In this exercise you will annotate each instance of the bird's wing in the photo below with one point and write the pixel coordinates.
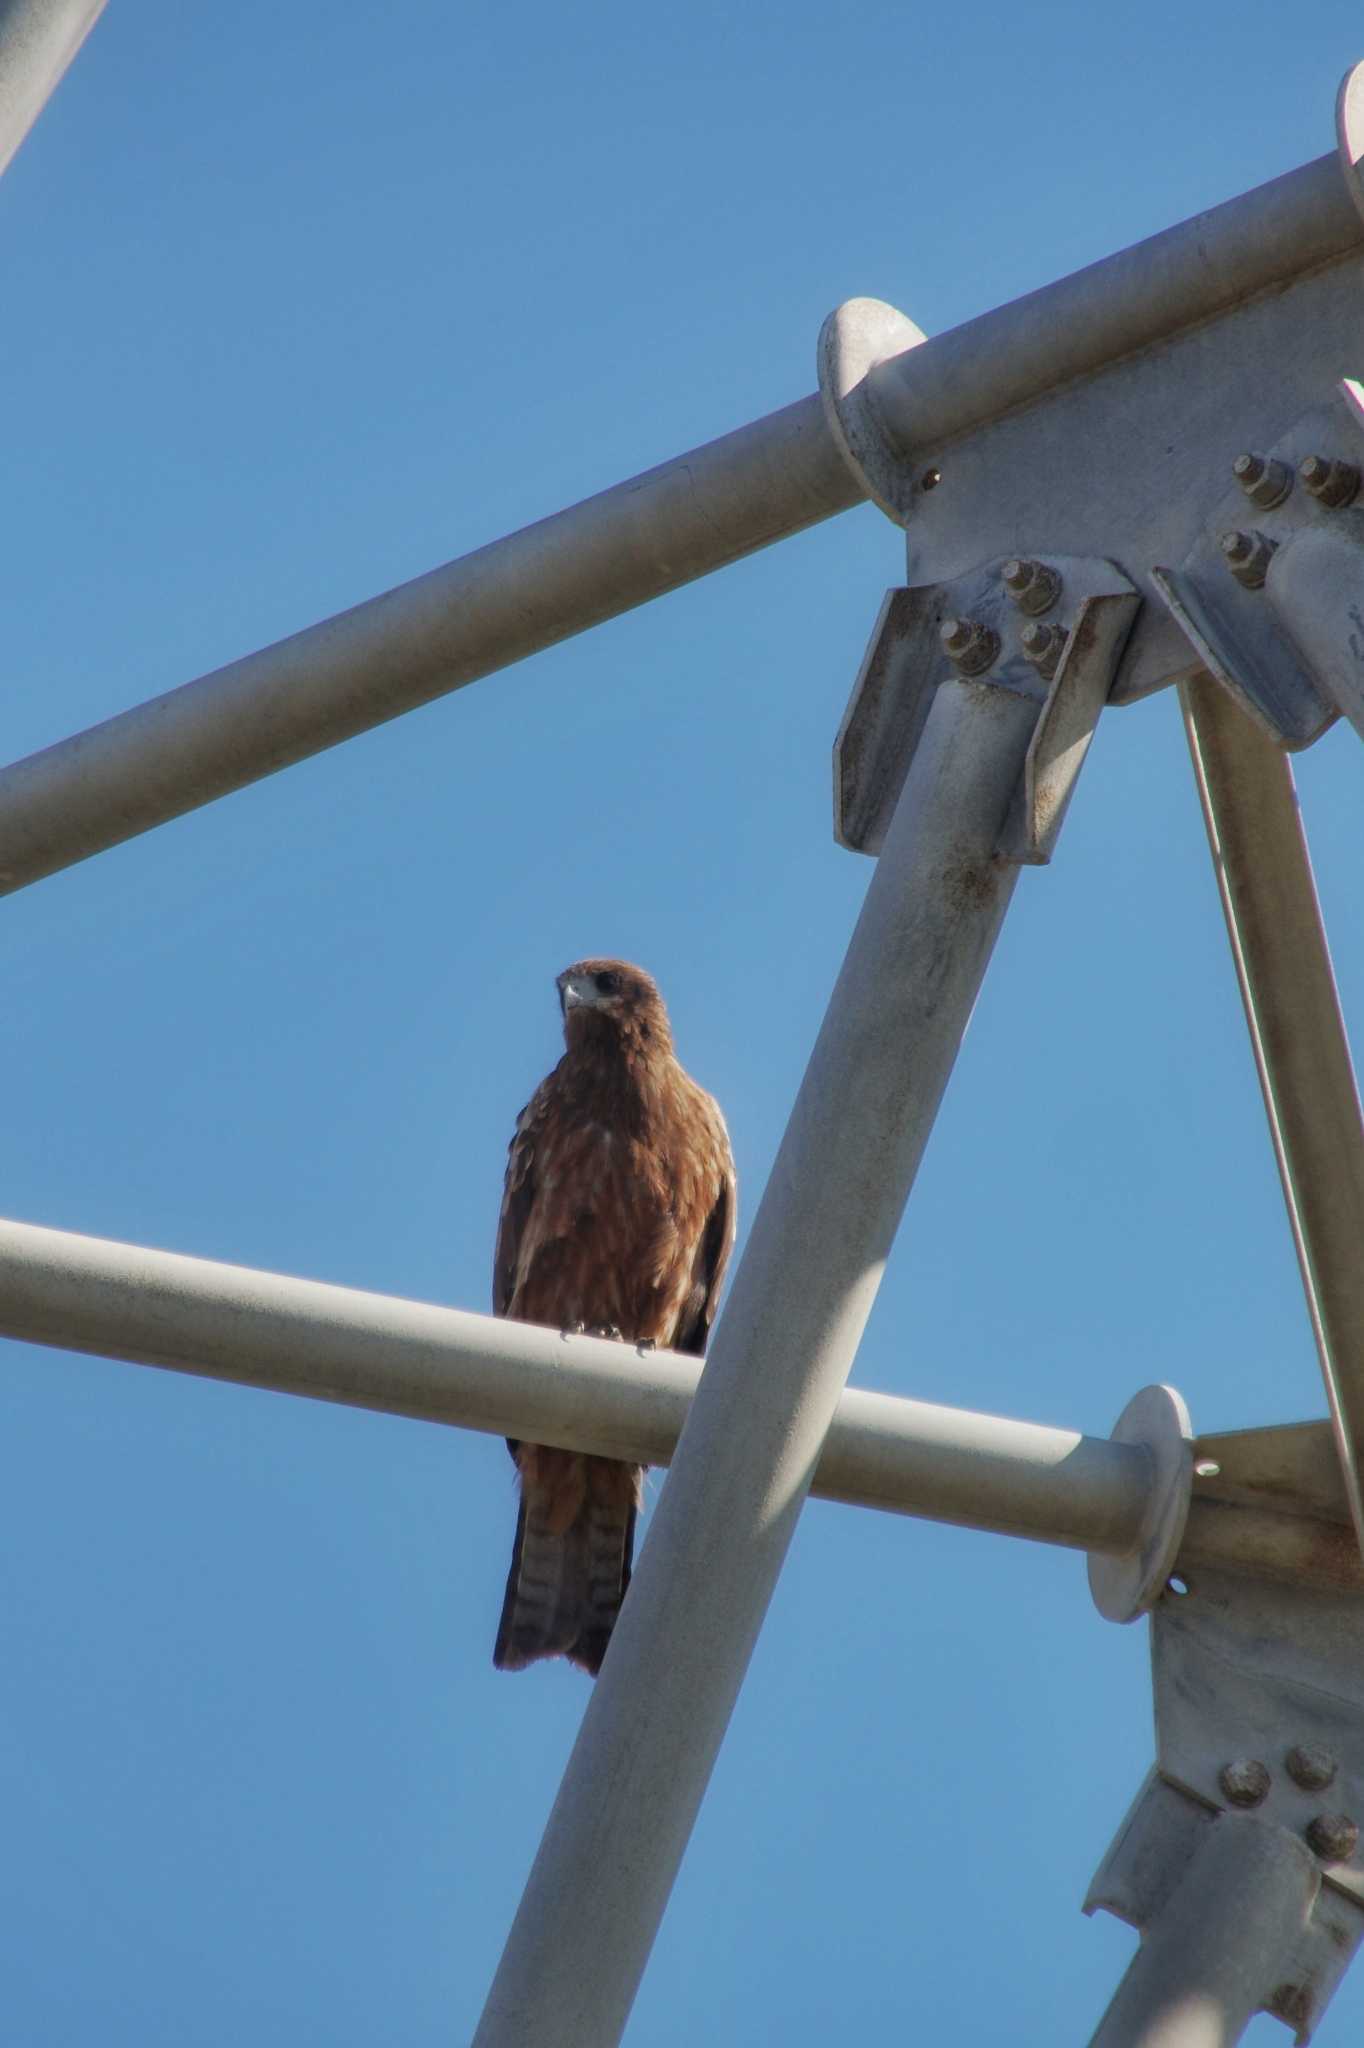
(518, 1198)
(712, 1255)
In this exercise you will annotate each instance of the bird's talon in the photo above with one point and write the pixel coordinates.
(647, 1344)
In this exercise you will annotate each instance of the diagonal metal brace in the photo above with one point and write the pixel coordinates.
(1297, 1035)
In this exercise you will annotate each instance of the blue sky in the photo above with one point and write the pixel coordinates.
(300, 303)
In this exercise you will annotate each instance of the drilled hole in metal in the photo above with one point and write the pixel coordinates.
(1178, 1585)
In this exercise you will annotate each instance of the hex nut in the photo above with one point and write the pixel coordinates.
(1033, 586)
(970, 647)
(1265, 481)
(1332, 484)
(1244, 1781)
(1042, 646)
(1310, 1766)
(1247, 555)
(1332, 1836)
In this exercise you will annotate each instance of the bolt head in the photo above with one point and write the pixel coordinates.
(1244, 1781)
(971, 647)
(1265, 481)
(1247, 555)
(1310, 1766)
(1042, 646)
(1033, 587)
(1332, 484)
(1332, 1836)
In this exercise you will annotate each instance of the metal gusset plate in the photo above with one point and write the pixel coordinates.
(1271, 597)
(1259, 1697)
(1051, 627)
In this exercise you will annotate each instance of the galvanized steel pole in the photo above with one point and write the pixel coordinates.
(38, 39)
(1222, 1943)
(1297, 1033)
(658, 1713)
(302, 1337)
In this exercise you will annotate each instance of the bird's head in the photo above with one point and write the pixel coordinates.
(609, 1001)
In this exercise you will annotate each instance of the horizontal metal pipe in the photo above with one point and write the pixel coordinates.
(1172, 281)
(413, 1358)
(514, 1379)
(38, 39)
(420, 641)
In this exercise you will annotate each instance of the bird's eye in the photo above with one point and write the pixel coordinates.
(608, 984)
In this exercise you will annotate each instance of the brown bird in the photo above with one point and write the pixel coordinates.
(618, 1217)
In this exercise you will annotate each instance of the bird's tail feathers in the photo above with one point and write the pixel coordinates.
(568, 1572)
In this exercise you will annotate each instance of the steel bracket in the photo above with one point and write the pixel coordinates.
(1259, 1709)
(1080, 632)
(1271, 596)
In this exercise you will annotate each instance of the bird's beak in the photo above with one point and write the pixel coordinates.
(571, 996)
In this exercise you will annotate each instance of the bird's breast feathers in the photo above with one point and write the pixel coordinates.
(620, 1209)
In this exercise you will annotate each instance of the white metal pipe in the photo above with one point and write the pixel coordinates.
(444, 1365)
(1222, 1943)
(641, 538)
(785, 1342)
(1140, 296)
(505, 601)
(38, 39)
(1297, 1034)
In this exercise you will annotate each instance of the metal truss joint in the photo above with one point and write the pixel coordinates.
(985, 623)
(1240, 1859)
